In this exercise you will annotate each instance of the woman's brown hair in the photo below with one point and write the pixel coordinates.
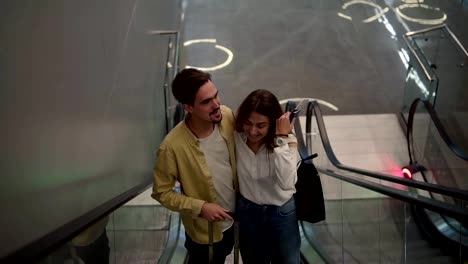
(265, 103)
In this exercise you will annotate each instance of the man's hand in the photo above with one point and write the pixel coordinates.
(213, 213)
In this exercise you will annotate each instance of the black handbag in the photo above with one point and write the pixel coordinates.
(310, 205)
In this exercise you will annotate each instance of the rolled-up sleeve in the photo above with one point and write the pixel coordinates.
(285, 165)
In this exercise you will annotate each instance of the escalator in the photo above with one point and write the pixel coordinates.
(389, 222)
(387, 225)
(441, 162)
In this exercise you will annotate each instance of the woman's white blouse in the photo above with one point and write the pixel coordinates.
(267, 177)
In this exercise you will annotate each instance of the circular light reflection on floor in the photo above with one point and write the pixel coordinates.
(424, 21)
(413, 1)
(381, 10)
(228, 60)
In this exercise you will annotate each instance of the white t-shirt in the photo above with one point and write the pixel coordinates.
(217, 158)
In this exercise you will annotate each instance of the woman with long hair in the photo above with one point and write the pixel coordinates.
(266, 153)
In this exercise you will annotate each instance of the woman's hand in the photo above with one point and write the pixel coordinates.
(283, 126)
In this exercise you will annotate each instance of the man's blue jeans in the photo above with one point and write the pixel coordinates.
(268, 233)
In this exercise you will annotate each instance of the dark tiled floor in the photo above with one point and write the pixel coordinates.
(301, 48)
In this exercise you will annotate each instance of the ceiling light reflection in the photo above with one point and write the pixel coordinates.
(344, 16)
(413, 1)
(381, 10)
(300, 99)
(403, 58)
(430, 21)
(376, 16)
(193, 41)
(415, 76)
(383, 19)
(405, 54)
(229, 53)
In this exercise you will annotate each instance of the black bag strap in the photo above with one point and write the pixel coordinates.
(313, 156)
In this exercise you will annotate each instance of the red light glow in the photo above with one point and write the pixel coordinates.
(407, 173)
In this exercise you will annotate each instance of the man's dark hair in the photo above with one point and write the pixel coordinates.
(187, 83)
(265, 103)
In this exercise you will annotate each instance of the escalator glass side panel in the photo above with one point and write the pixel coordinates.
(417, 85)
(361, 226)
(135, 232)
(311, 250)
(446, 58)
(139, 232)
(442, 166)
(450, 63)
(367, 227)
(357, 214)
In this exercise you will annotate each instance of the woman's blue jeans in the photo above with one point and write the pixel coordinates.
(268, 233)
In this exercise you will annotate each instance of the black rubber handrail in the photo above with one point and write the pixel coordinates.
(437, 123)
(453, 192)
(444, 208)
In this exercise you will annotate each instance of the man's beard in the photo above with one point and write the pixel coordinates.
(221, 116)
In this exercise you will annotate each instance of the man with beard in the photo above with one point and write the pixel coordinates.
(199, 154)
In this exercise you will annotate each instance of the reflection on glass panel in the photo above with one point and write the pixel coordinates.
(442, 166)
(358, 230)
(172, 65)
(441, 52)
(134, 233)
(139, 233)
(93, 245)
(417, 86)
(364, 226)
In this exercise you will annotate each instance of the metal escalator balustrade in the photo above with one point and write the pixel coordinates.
(435, 115)
(334, 160)
(382, 200)
(438, 70)
(444, 163)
